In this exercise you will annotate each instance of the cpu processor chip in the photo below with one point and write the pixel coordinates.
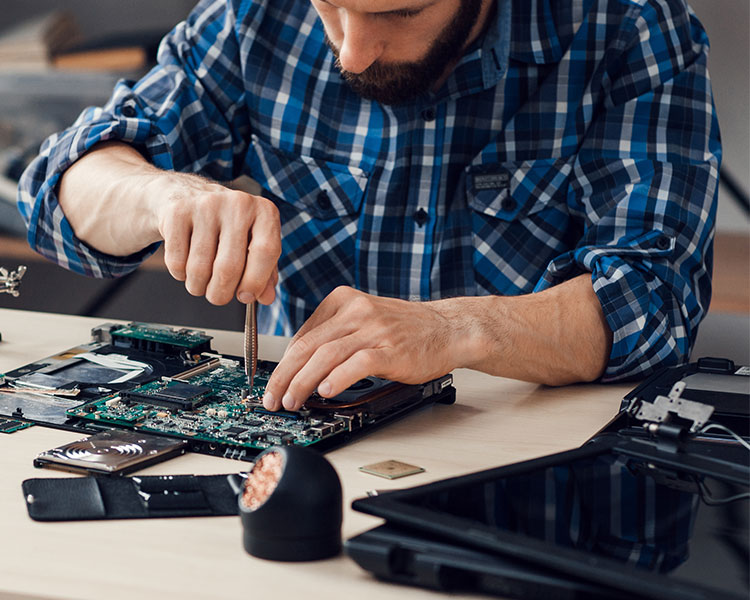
(391, 469)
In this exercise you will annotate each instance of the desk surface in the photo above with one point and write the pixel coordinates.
(495, 421)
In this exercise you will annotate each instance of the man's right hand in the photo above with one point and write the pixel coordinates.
(221, 242)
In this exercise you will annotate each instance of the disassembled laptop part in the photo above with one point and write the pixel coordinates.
(165, 381)
(673, 409)
(9, 281)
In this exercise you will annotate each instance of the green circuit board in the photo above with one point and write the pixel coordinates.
(12, 425)
(213, 407)
(155, 338)
(170, 382)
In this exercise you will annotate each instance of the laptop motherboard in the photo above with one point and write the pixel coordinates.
(170, 382)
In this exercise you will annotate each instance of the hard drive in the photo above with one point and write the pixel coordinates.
(111, 453)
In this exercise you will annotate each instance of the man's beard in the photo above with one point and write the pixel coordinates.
(399, 82)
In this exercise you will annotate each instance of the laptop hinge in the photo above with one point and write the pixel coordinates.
(671, 420)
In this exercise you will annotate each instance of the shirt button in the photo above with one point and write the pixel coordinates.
(421, 216)
(429, 114)
(508, 204)
(128, 111)
(323, 201)
(663, 243)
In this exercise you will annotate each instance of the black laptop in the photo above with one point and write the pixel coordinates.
(655, 507)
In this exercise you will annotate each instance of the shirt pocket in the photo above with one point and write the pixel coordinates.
(520, 221)
(323, 189)
(511, 191)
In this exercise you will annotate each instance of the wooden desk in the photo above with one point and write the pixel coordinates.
(494, 421)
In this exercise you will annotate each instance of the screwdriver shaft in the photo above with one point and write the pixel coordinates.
(251, 344)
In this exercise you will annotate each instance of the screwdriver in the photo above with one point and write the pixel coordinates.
(251, 345)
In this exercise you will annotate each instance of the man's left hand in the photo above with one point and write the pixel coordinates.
(352, 335)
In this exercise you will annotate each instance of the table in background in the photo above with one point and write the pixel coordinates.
(494, 421)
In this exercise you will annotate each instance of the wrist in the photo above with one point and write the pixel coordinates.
(468, 330)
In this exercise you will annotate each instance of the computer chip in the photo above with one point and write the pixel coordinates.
(391, 469)
(176, 394)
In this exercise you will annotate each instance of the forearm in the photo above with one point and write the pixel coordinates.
(111, 198)
(108, 198)
(222, 243)
(555, 337)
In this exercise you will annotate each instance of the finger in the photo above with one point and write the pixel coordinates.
(361, 364)
(322, 327)
(269, 293)
(200, 259)
(176, 236)
(295, 386)
(297, 354)
(228, 266)
(263, 252)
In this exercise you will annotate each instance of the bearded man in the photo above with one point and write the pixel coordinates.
(523, 187)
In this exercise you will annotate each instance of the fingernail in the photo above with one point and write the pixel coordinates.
(324, 389)
(246, 297)
(268, 402)
(288, 402)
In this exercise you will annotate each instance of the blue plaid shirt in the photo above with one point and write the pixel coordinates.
(574, 136)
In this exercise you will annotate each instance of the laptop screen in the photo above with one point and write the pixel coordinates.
(694, 529)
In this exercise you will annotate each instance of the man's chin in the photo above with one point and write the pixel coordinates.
(389, 88)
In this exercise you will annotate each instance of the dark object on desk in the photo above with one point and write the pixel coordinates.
(169, 382)
(291, 506)
(394, 553)
(111, 453)
(614, 517)
(151, 496)
(659, 511)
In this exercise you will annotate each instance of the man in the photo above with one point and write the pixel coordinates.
(516, 186)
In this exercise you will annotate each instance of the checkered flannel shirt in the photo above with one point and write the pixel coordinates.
(573, 136)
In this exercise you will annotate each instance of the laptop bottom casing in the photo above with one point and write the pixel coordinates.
(396, 554)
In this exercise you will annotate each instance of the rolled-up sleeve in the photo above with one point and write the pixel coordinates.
(645, 183)
(184, 115)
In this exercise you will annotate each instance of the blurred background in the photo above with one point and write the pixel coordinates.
(102, 41)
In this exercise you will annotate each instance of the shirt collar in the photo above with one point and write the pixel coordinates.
(496, 45)
(489, 53)
(523, 30)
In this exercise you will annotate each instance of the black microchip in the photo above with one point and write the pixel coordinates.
(275, 436)
(176, 394)
(252, 423)
(235, 430)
